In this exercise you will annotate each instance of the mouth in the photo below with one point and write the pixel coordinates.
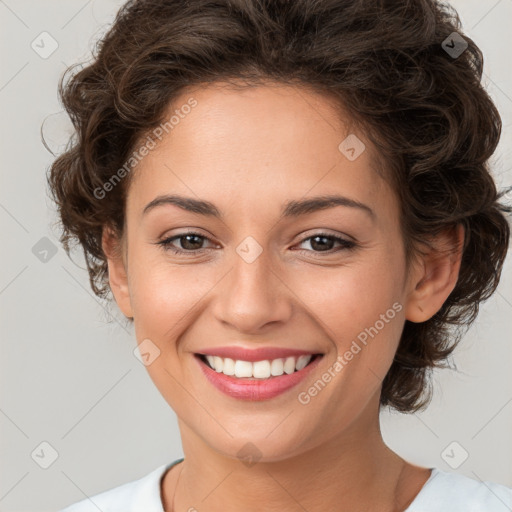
(256, 380)
(257, 370)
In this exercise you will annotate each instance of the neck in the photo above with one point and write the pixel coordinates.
(353, 471)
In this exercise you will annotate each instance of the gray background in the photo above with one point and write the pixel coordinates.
(68, 374)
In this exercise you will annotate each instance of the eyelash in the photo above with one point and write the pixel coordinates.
(345, 244)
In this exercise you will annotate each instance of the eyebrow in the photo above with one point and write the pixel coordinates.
(293, 208)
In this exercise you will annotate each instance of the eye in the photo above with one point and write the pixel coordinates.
(189, 242)
(323, 242)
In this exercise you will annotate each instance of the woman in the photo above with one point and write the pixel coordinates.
(291, 202)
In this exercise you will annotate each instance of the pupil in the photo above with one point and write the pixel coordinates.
(187, 237)
(321, 238)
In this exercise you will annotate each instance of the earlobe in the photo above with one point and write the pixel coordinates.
(117, 272)
(435, 276)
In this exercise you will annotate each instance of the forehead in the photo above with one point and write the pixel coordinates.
(254, 142)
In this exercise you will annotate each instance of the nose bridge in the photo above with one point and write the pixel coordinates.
(253, 294)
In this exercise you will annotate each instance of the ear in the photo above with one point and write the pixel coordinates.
(435, 275)
(117, 270)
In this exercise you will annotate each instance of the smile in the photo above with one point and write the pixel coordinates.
(256, 380)
(265, 369)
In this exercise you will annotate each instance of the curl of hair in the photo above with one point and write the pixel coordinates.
(426, 113)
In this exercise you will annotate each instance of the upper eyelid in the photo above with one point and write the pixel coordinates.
(304, 238)
(180, 235)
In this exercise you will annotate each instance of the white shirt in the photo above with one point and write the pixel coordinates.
(442, 492)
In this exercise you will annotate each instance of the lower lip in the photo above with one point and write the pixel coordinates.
(255, 389)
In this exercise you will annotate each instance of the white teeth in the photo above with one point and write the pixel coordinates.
(289, 365)
(302, 361)
(276, 367)
(229, 367)
(243, 369)
(259, 369)
(218, 363)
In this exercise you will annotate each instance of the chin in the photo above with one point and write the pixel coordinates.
(259, 441)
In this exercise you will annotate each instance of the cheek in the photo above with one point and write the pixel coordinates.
(361, 310)
(168, 301)
(164, 296)
(353, 299)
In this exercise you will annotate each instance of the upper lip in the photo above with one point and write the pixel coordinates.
(255, 354)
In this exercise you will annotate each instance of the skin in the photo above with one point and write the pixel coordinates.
(248, 152)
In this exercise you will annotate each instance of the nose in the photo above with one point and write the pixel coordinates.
(252, 296)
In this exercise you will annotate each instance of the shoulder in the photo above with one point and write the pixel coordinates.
(142, 495)
(459, 493)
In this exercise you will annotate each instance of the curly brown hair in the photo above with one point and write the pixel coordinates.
(396, 67)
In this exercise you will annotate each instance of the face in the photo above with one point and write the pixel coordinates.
(264, 273)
